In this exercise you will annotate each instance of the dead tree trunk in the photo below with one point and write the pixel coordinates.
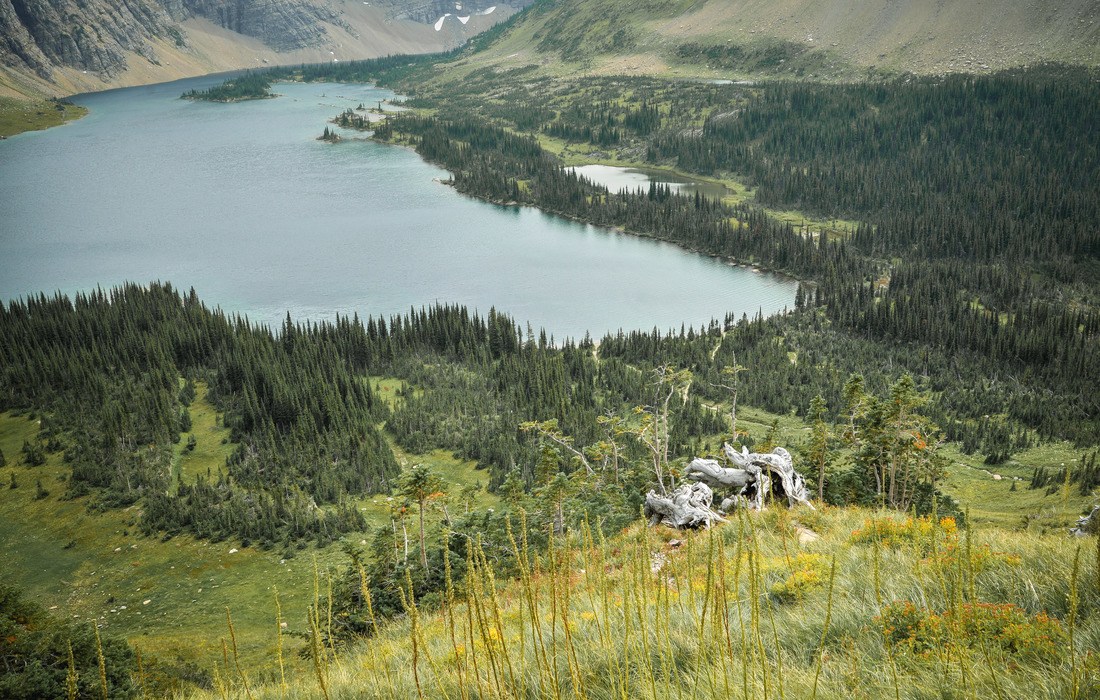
(750, 479)
(1088, 524)
(687, 507)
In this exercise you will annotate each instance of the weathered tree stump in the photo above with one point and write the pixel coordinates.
(754, 477)
(1088, 524)
(742, 484)
(686, 507)
(750, 480)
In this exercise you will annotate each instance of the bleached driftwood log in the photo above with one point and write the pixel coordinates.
(780, 464)
(686, 507)
(1088, 524)
(750, 480)
(747, 484)
(741, 484)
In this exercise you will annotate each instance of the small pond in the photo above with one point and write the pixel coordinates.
(616, 178)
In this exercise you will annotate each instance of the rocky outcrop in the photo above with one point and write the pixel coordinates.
(93, 36)
(430, 11)
(99, 36)
(284, 25)
(17, 46)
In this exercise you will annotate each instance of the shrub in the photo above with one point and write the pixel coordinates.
(981, 558)
(896, 534)
(998, 626)
(35, 650)
(809, 571)
(33, 454)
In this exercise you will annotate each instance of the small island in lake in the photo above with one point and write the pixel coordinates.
(250, 86)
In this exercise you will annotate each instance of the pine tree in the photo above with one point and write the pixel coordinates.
(512, 488)
(771, 438)
(421, 484)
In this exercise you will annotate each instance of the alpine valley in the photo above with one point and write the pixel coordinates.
(567, 349)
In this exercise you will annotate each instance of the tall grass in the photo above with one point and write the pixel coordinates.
(102, 661)
(880, 606)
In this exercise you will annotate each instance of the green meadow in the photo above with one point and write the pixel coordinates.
(169, 596)
(17, 116)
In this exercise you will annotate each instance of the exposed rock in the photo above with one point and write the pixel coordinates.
(806, 535)
(97, 36)
(17, 47)
(429, 12)
(284, 25)
(39, 34)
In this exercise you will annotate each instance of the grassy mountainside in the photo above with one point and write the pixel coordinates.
(826, 604)
(168, 595)
(825, 38)
(17, 116)
(94, 566)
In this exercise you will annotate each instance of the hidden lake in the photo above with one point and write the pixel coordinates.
(242, 202)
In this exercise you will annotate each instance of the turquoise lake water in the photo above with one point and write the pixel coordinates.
(241, 202)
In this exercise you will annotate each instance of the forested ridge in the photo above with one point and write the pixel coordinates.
(973, 197)
(112, 374)
(113, 398)
(489, 162)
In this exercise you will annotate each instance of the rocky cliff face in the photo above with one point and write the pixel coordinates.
(38, 34)
(284, 25)
(429, 11)
(101, 36)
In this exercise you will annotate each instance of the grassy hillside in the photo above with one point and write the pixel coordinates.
(830, 604)
(17, 116)
(831, 39)
(169, 595)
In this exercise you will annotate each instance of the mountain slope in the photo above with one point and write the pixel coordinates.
(830, 38)
(56, 47)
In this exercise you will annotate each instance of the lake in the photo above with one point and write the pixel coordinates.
(618, 178)
(241, 202)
